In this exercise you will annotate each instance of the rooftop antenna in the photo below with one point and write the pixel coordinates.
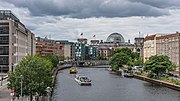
(139, 34)
(94, 36)
(50, 36)
(82, 35)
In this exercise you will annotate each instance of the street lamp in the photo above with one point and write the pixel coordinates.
(1, 76)
(21, 77)
(48, 89)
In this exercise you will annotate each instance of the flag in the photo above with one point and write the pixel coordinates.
(81, 34)
(94, 35)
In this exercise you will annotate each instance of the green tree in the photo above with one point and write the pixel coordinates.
(53, 58)
(158, 65)
(61, 58)
(36, 72)
(102, 58)
(134, 57)
(118, 60)
(126, 51)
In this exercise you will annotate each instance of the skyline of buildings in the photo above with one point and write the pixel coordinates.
(16, 42)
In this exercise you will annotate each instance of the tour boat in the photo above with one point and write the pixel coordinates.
(82, 80)
(73, 70)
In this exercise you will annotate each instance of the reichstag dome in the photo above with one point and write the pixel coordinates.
(115, 38)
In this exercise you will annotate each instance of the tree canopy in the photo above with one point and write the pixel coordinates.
(126, 51)
(53, 58)
(124, 56)
(118, 60)
(158, 64)
(36, 72)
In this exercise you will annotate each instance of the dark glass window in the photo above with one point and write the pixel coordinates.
(4, 30)
(4, 60)
(4, 50)
(4, 39)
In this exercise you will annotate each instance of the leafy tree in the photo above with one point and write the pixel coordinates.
(134, 57)
(102, 58)
(61, 58)
(36, 72)
(119, 59)
(53, 58)
(158, 65)
(126, 51)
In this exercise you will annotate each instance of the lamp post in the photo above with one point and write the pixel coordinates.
(1, 76)
(48, 89)
(21, 77)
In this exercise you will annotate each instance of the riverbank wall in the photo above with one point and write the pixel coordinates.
(159, 82)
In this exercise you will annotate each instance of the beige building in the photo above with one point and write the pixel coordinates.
(69, 51)
(150, 43)
(169, 45)
(16, 41)
(149, 46)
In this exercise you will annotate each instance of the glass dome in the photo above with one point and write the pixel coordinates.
(115, 38)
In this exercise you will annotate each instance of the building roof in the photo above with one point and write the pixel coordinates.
(115, 38)
(151, 37)
(168, 36)
(41, 43)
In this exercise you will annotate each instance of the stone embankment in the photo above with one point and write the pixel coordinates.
(55, 71)
(159, 82)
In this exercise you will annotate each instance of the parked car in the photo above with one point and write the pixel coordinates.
(171, 74)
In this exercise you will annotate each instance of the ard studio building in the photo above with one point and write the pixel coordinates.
(16, 41)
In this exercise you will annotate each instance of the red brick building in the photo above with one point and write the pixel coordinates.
(45, 47)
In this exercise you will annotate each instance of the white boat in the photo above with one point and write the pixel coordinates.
(82, 80)
(130, 75)
(109, 69)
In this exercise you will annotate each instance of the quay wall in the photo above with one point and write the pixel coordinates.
(166, 84)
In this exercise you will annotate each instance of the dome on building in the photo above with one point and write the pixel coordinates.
(115, 38)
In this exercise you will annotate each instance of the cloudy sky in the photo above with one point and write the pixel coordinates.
(66, 19)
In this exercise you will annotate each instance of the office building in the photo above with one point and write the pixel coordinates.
(16, 41)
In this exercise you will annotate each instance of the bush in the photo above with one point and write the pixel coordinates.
(114, 68)
(150, 75)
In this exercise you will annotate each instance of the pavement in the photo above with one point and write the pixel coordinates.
(4, 92)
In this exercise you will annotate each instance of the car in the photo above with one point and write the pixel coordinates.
(171, 74)
(137, 67)
(82, 80)
(73, 70)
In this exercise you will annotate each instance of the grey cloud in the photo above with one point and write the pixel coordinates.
(160, 3)
(90, 8)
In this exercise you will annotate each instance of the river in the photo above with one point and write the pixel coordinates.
(107, 86)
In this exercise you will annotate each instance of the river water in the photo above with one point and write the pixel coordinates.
(107, 86)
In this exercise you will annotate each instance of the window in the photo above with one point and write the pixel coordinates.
(4, 30)
(4, 60)
(4, 50)
(4, 39)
